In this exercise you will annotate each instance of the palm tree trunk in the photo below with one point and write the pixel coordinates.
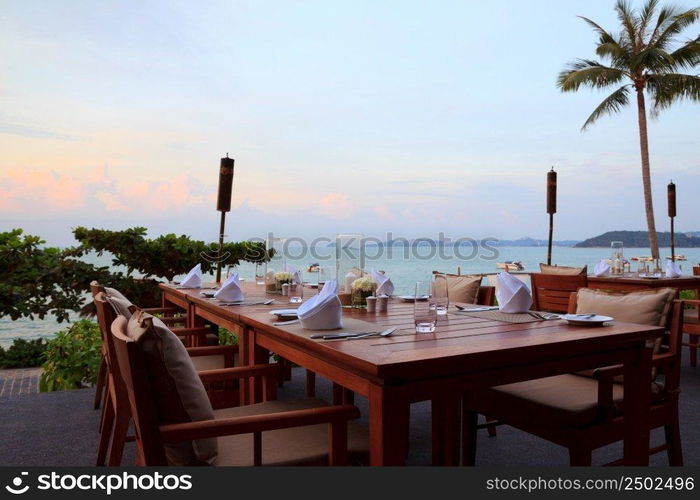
(646, 176)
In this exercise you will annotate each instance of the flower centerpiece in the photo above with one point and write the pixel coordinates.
(282, 278)
(361, 289)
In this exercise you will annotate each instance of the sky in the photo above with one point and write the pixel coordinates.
(410, 117)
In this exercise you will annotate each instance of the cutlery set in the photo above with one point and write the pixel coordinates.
(354, 336)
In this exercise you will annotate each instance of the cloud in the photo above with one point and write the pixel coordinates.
(33, 132)
(41, 190)
(336, 205)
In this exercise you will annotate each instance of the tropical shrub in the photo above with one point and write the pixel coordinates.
(23, 354)
(72, 358)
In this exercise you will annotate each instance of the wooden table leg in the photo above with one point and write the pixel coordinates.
(388, 426)
(446, 423)
(636, 406)
(256, 355)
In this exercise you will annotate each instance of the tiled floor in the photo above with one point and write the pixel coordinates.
(19, 382)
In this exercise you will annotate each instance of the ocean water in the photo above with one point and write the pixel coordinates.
(404, 269)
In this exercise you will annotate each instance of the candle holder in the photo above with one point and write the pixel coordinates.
(349, 260)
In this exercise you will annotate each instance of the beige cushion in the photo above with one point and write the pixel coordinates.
(563, 270)
(213, 362)
(178, 393)
(567, 400)
(119, 303)
(295, 446)
(459, 288)
(649, 307)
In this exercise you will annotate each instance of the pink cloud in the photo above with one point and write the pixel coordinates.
(336, 205)
(41, 189)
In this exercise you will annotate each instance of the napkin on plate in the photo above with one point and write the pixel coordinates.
(602, 268)
(296, 278)
(673, 270)
(193, 278)
(323, 311)
(384, 284)
(230, 290)
(512, 294)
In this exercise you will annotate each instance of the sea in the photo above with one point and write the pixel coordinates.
(404, 265)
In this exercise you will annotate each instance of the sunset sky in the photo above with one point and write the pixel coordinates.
(343, 116)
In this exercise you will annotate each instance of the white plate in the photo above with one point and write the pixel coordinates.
(582, 319)
(284, 313)
(412, 298)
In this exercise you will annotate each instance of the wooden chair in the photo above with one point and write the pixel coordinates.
(551, 292)
(583, 413)
(116, 414)
(169, 316)
(294, 432)
(692, 327)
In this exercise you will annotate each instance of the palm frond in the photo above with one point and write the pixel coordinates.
(665, 17)
(612, 104)
(667, 89)
(688, 55)
(678, 24)
(588, 73)
(645, 17)
(604, 35)
(652, 59)
(625, 14)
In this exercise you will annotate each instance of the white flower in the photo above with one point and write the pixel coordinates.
(365, 284)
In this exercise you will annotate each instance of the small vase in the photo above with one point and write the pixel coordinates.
(359, 298)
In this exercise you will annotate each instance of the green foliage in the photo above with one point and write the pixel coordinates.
(72, 358)
(37, 280)
(227, 338)
(165, 256)
(23, 354)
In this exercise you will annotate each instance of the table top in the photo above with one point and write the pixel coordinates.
(460, 342)
(633, 279)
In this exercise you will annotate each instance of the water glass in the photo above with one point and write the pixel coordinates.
(260, 271)
(425, 310)
(440, 294)
(295, 293)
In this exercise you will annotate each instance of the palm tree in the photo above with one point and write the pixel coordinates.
(645, 56)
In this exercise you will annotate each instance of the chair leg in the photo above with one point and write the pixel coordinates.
(106, 432)
(672, 431)
(491, 426)
(310, 384)
(101, 382)
(693, 348)
(580, 456)
(470, 421)
(121, 427)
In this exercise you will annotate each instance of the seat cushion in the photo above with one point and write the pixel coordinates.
(295, 446)
(649, 307)
(214, 362)
(121, 305)
(461, 289)
(563, 400)
(178, 393)
(563, 270)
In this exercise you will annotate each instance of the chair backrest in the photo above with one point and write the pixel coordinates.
(487, 296)
(551, 292)
(96, 288)
(143, 411)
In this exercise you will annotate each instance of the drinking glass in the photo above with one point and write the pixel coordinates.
(440, 294)
(260, 270)
(424, 311)
(296, 292)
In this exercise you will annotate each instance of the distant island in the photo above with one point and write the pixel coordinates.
(640, 239)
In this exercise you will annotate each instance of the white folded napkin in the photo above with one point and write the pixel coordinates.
(673, 270)
(602, 268)
(230, 290)
(296, 278)
(323, 311)
(193, 278)
(512, 294)
(384, 284)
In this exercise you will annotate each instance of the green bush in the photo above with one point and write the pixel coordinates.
(23, 354)
(72, 358)
(227, 338)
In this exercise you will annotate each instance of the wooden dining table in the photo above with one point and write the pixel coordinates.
(463, 353)
(631, 282)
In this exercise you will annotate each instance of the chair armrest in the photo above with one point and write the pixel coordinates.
(163, 310)
(187, 431)
(239, 372)
(608, 372)
(212, 350)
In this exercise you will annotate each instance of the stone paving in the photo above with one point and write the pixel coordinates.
(19, 382)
